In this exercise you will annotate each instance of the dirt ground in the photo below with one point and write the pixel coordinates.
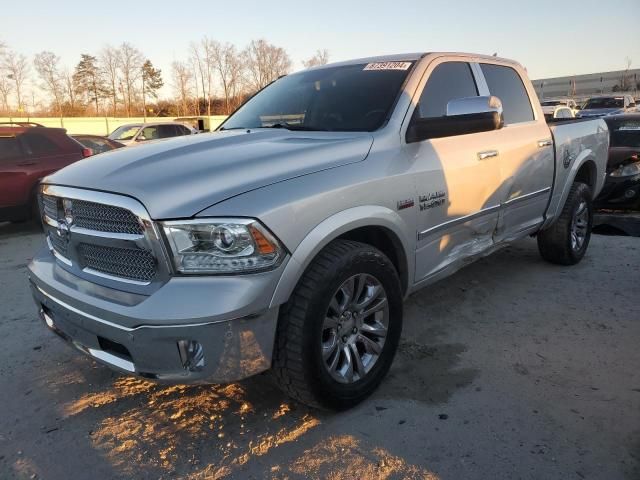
(512, 368)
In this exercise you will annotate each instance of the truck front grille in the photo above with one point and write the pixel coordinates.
(131, 263)
(58, 243)
(50, 206)
(105, 218)
(106, 236)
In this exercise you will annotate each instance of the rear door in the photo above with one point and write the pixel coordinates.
(525, 154)
(457, 202)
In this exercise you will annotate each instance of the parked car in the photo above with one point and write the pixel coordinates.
(622, 186)
(548, 106)
(27, 154)
(96, 143)
(607, 105)
(133, 133)
(289, 238)
(559, 113)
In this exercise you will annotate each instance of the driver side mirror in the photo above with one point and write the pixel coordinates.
(464, 116)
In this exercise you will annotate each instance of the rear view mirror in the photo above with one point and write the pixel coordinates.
(464, 116)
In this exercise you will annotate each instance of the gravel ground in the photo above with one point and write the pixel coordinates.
(512, 368)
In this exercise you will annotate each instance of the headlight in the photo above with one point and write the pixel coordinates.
(627, 170)
(222, 246)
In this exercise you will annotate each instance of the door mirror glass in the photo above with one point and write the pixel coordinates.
(464, 116)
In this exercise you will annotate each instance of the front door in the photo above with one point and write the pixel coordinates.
(456, 178)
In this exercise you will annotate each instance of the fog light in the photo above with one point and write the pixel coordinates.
(48, 320)
(191, 355)
(630, 193)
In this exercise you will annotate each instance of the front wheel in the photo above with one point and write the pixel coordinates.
(339, 331)
(566, 241)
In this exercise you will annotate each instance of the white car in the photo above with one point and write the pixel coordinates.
(133, 133)
(549, 106)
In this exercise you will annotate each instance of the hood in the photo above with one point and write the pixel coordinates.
(596, 112)
(178, 178)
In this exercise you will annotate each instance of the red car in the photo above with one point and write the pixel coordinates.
(29, 152)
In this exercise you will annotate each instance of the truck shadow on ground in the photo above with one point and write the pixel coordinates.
(148, 430)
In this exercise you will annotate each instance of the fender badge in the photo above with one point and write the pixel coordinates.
(408, 203)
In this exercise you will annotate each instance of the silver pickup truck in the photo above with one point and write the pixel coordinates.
(288, 239)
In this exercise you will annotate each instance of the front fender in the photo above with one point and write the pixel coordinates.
(333, 227)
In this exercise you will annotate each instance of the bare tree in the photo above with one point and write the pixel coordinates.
(230, 68)
(202, 55)
(71, 89)
(626, 83)
(5, 91)
(130, 61)
(265, 63)
(181, 85)
(321, 57)
(16, 68)
(110, 72)
(48, 68)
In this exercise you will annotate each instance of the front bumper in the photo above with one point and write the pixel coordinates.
(228, 317)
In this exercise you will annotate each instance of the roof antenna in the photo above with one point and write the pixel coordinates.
(495, 54)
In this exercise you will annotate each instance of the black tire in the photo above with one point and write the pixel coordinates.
(298, 365)
(555, 243)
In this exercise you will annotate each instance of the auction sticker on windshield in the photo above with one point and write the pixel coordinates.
(387, 66)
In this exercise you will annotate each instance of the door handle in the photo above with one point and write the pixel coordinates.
(544, 143)
(24, 164)
(487, 154)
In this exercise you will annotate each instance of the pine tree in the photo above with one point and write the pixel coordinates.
(88, 80)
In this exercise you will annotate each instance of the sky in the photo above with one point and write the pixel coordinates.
(550, 38)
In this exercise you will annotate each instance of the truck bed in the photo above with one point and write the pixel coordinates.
(573, 141)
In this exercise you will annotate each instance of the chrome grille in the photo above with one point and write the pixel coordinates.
(131, 263)
(59, 244)
(104, 237)
(105, 218)
(50, 206)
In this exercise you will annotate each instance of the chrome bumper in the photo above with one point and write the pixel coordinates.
(182, 345)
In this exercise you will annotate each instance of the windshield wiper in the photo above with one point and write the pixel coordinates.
(233, 128)
(288, 126)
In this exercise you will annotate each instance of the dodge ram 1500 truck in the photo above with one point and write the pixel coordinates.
(288, 239)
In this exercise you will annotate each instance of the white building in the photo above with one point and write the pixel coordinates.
(589, 84)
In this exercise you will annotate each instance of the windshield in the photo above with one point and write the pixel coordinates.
(125, 132)
(604, 102)
(344, 98)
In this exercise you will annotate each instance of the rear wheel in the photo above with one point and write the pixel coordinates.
(339, 332)
(566, 241)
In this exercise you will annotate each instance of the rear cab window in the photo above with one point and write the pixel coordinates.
(505, 83)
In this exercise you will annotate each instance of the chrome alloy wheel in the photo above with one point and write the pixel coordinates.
(355, 328)
(579, 226)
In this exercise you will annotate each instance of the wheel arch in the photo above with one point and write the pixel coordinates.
(379, 227)
(584, 169)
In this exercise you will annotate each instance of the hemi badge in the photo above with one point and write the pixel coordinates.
(402, 204)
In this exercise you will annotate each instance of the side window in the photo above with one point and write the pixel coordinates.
(167, 131)
(148, 133)
(183, 130)
(506, 84)
(448, 81)
(36, 144)
(9, 148)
